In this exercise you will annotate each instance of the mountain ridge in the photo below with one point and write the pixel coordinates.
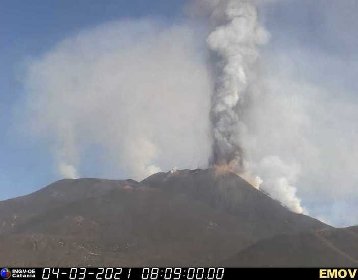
(183, 217)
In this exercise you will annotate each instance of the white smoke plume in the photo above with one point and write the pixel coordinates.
(67, 151)
(67, 171)
(278, 178)
(135, 92)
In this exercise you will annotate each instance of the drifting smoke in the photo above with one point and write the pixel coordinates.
(129, 97)
(139, 93)
(279, 177)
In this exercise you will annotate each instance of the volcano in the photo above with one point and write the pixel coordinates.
(178, 218)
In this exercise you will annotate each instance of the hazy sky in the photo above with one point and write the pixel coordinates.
(313, 47)
(28, 29)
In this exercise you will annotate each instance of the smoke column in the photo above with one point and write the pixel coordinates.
(66, 152)
(233, 43)
(233, 53)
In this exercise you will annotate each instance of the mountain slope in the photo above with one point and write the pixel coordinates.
(332, 248)
(188, 217)
(259, 215)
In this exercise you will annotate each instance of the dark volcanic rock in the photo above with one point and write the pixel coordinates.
(259, 215)
(182, 218)
(324, 248)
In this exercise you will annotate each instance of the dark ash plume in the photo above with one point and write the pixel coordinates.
(233, 45)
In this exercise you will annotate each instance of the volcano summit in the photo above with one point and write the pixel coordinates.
(179, 218)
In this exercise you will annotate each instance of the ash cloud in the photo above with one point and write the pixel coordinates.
(233, 45)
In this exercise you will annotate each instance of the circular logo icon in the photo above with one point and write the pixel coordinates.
(5, 273)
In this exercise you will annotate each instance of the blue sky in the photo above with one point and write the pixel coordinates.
(313, 44)
(28, 29)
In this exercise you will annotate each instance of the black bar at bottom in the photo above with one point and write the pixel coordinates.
(178, 273)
